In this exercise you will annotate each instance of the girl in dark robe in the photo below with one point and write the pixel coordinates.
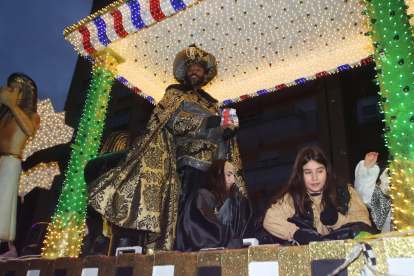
(215, 216)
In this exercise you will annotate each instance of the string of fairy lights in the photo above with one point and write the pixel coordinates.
(52, 131)
(258, 44)
(392, 38)
(65, 233)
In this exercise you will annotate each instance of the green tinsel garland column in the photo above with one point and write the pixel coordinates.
(65, 233)
(391, 33)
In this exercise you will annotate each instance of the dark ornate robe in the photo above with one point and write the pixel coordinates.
(201, 225)
(142, 191)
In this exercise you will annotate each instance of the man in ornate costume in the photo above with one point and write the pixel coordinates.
(18, 122)
(148, 189)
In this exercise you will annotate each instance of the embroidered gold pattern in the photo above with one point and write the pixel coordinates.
(200, 150)
(233, 156)
(314, 215)
(186, 124)
(195, 97)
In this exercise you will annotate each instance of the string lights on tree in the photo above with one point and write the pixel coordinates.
(65, 233)
(392, 37)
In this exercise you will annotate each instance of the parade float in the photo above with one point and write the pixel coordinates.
(261, 47)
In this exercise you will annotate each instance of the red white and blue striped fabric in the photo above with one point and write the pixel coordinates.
(95, 42)
(126, 19)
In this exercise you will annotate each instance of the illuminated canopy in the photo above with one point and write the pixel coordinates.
(260, 45)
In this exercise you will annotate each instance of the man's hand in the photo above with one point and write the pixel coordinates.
(370, 159)
(9, 96)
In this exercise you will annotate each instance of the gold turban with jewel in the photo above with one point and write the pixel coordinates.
(193, 55)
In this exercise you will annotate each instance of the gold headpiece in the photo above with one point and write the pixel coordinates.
(20, 81)
(27, 83)
(193, 55)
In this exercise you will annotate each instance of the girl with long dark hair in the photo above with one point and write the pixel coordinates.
(215, 215)
(315, 206)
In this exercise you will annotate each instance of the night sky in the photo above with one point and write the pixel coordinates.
(32, 42)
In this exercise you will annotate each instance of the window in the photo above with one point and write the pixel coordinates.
(124, 93)
(306, 105)
(367, 109)
(121, 119)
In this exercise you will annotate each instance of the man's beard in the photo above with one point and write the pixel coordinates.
(199, 81)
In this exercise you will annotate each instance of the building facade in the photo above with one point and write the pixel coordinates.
(337, 113)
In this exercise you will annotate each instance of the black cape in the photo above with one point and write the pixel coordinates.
(198, 227)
